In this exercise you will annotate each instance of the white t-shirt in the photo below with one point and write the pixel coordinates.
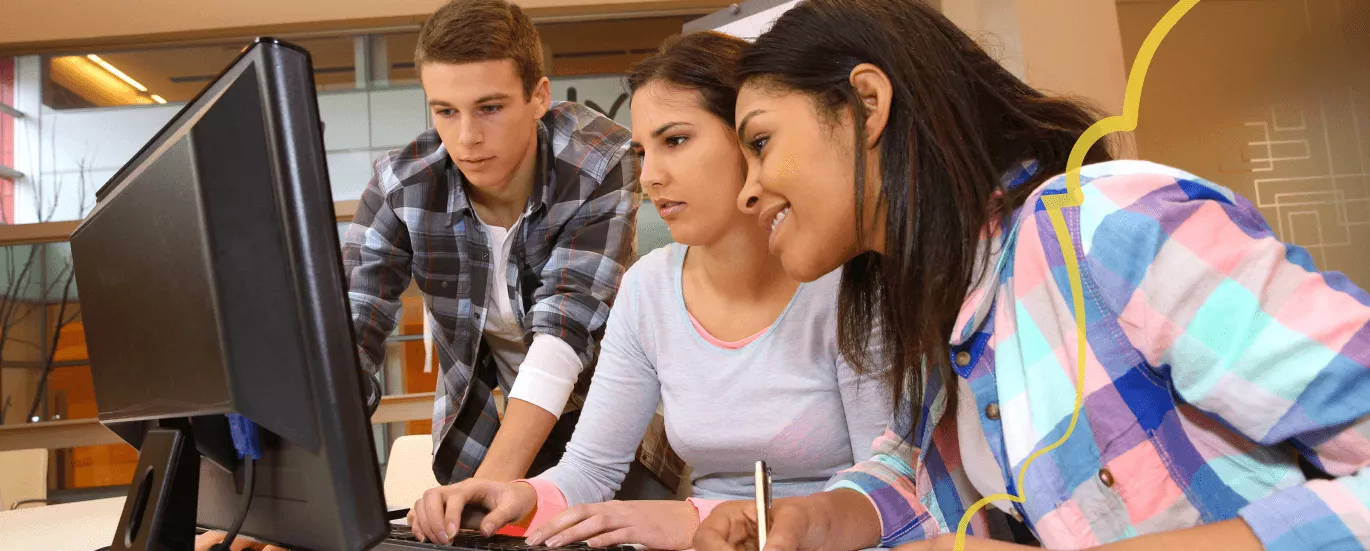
(543, 374)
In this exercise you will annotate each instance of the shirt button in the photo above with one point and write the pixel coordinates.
(963, 358)
(992, 410)
(1106, 477)
(484, 256)
(443, 285)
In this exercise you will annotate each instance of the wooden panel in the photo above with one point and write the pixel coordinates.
(56, 435)
(27, 28)
(415, 380)
(56, 232)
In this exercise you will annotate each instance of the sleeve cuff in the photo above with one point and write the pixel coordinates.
(548, 374)
(1309, 516)
(551, 502)
(704, 506)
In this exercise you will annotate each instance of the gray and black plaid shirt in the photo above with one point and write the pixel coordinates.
(577, 237)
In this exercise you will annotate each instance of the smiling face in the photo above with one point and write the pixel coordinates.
(486, 121)
(692, 168)
(799, 179)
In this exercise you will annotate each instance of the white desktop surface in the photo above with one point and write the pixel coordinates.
(80, 526)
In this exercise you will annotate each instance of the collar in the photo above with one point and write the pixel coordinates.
(980, 299)
(459, 204)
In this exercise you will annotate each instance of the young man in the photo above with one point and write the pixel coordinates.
(515, 217)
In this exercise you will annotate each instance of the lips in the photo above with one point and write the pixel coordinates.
(779, 217)
(772, 220)
(669, 208)
(474, 161)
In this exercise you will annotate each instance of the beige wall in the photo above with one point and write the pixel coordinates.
(30, 25)
(1066, 47)
(1247, 95)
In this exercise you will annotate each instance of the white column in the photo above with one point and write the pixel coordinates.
(29, 152)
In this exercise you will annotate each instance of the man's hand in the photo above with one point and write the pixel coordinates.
(207, 541)
(655, 524)
(438, 515)
(797, 524)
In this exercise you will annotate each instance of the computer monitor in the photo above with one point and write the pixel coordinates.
(211, 283)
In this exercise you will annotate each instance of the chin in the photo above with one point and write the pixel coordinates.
(804, 267)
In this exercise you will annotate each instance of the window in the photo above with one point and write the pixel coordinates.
(173, 74)
(570, 49)
(605, 46)
(8, 118)
(398, 52)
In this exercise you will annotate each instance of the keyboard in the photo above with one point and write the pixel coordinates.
(472, 540)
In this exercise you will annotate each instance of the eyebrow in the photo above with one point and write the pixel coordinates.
(658, 132)
(742, 126)
(663, 128)
(483, 99)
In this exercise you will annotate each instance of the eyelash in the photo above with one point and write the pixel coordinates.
(484, 109)
(756, 143)
(675, 141)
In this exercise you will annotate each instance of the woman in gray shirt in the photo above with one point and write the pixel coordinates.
(743, 359)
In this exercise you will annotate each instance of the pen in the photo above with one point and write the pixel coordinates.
(763, 504)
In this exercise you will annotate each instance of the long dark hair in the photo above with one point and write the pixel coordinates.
(704, 61)
(958, 121)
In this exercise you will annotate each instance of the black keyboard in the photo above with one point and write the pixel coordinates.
(472, 540)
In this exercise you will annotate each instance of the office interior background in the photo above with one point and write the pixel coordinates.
(1270, 98)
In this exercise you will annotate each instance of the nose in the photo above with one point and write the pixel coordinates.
(470, 132)
(653, 173)
(749, 199)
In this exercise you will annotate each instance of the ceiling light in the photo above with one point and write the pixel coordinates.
(116, 72)
(158, 98)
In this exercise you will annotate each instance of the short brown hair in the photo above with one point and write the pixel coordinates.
(465, 31)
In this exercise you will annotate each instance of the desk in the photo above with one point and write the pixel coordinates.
(80, 526)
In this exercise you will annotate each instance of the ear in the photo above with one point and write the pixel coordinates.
(542, 96)
(875, 92)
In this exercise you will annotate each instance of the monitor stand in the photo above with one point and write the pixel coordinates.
(159, 512)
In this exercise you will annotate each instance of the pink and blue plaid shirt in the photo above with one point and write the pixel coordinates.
(1216, 356)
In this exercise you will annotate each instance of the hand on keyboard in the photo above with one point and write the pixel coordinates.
(207, 541)
(654, 524)
(470, 504)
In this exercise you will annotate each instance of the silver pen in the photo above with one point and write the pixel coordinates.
(763, 504)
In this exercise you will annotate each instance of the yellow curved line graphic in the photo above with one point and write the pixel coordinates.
(1073, 197)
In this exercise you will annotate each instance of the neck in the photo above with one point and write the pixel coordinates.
(740, 264)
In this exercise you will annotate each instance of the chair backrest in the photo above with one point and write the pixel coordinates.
(409, 470)
(25, 477)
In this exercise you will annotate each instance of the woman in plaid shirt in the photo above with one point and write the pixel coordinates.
(1216, 357)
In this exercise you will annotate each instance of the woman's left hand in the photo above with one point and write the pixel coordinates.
(948, 543)
(655, 524)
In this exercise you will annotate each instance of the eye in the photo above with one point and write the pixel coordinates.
(757, 143)
(445, 112)
(490, 109)
(674, 141)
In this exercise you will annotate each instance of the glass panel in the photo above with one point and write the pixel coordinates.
(7, 137)
(147, 77)
(607, 46)
(399, 56)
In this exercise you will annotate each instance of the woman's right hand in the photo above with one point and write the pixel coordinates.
(797, 524)
(441, 511)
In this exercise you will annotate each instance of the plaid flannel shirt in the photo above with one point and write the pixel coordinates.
(1216, 356)
(577, 237)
